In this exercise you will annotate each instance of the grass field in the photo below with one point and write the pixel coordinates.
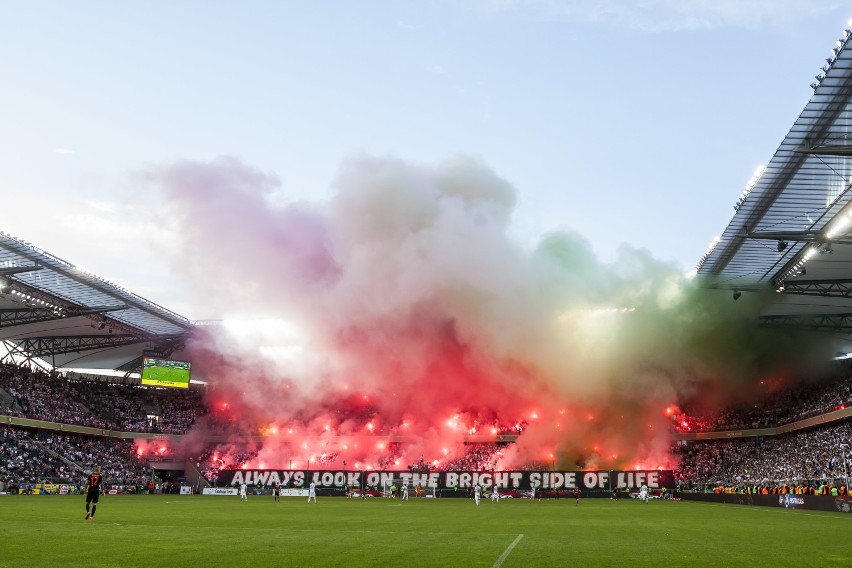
(213, 531)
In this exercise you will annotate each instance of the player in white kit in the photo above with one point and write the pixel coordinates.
(477, 493)
(495, 495)
(643, 493)
(405, 492)
(312, 492)
(243, 492)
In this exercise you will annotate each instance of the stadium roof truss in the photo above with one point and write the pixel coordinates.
(792, 227)
(54, 311)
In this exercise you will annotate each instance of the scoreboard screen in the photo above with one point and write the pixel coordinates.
(165, 373)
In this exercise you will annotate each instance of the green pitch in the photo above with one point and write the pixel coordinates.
(210, 532)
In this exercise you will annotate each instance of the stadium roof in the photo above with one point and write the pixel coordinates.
(57, 312)
(791, 229)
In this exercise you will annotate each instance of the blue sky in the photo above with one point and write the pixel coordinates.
(625, 124)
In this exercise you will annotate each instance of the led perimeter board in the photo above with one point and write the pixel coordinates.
(165, 373)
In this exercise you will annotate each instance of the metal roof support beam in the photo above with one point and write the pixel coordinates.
(824, 288)
(829, 150)
(11, 351)
(804, 236)
(23, 316)
(45, 346)
(9, 271)
(836, 323)
(796, 236)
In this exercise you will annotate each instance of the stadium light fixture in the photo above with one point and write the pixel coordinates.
(5, 286)
(737, 295)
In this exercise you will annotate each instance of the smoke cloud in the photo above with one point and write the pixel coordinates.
(399, 320)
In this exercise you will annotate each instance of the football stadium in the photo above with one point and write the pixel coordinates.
(488, 410)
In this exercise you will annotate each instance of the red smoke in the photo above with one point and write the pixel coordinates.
(401, 319)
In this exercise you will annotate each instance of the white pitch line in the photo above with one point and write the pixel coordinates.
(506, 552)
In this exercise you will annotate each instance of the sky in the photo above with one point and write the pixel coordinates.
(626, 124)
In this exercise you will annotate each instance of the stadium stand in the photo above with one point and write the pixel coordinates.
(812, 458)
(785, 406)
(37, 456)
(99, 404)
(30, 455)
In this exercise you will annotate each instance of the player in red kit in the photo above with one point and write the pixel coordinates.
(93, 491)
(577, 494)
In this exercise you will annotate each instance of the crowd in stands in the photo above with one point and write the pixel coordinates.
(783, 407)
(213, 460)
(21, 459)
(801, 456)
(31, 455)
(34, 456)
(479, 457)
(100, 404)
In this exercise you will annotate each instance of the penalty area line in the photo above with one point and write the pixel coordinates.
(506, 552)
